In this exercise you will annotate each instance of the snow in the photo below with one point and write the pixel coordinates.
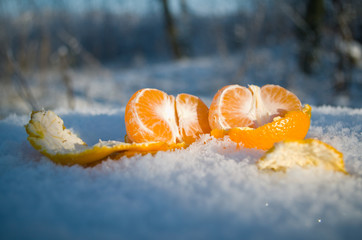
(208, 191)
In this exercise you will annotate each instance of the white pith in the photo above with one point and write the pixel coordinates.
(168, 113)
(48, 131)
(303, 154)
(260, 111)
(187, 114)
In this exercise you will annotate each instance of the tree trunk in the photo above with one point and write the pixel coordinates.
(310, 36)
(171, 30)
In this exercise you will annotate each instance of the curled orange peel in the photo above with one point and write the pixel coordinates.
(48, 135)
(302, 153)
(293, 126)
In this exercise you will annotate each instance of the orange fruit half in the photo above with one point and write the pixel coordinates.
(238, 106)
(258, 117)
(154, 116)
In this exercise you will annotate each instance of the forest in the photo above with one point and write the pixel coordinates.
(323, 37)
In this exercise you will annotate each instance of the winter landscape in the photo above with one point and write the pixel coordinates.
(207, 191)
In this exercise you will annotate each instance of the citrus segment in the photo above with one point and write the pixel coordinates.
(293, 126)
(47, 134)
(192, 115)
(150, 116)
(278, 99)
(230, 107)
(272, 101)
(302, 153)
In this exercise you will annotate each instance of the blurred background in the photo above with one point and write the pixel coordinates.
(82, 54)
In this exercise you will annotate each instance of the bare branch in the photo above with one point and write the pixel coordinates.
(21, 82)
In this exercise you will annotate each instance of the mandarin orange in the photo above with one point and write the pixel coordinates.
(153, 116)
(258, 117)
(238, 106)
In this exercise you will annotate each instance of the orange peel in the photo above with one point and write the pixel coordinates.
(303, 153)
(48, 135)
(293, 126)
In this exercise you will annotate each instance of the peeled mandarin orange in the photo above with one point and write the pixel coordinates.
(237, 106)
(150, 116)
(192, 115)
(302, 153)
(258, 117)
(153, 116)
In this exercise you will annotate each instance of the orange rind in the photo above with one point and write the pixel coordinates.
(302, 153)
(47, 134)
(293, 126)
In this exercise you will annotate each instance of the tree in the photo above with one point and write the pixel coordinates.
(310, 35)
(171, 30)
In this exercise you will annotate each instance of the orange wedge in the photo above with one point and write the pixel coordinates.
(151, 117)
(192, 115)
(154, 116)
(302, 153)
(47, 134)
(258, 117)
(229, 108)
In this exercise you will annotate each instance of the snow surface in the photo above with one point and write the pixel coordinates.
(208, 191)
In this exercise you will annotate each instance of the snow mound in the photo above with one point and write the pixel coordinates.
(207, 191)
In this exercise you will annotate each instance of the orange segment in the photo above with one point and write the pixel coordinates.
(230, 107)
(279, 98)
(150, 116)
(293, 126)
(192, 115)
(274, 101)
